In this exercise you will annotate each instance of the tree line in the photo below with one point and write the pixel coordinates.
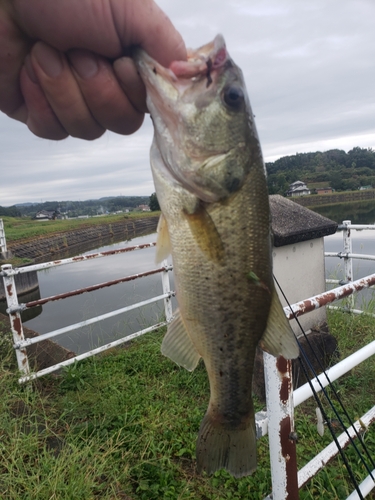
(334, 168)
(76, 208)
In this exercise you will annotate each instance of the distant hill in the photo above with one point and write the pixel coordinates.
(9, 211)
(334, 168)
(108, 204)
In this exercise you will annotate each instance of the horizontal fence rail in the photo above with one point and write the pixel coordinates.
(322, 458)
(92, 288)
(86, 322)
(73, 260)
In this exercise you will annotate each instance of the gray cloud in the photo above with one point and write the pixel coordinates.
(310, 75)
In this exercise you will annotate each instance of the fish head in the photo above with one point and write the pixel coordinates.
(204, 126)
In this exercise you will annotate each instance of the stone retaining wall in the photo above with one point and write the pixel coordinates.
(47, 248)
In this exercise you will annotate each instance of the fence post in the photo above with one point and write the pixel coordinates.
(282, 438)
(3, 243)
(166, 289)
(348, 261)
(15, 317)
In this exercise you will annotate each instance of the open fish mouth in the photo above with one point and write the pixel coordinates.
(173, 81)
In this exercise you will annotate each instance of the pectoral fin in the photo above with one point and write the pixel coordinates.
(163, 243)
(178, 346)
(205, 234)
(279, 339)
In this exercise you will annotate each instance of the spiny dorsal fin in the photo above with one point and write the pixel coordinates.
(205, 234)
(178, 346)
(163, 243)
(279, 339)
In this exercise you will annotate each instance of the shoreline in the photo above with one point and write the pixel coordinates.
(65, 243)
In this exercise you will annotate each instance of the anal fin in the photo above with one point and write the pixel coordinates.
(279, 339)
(178, 346)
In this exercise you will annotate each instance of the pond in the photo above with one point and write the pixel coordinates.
(62, 279)
(359, 212)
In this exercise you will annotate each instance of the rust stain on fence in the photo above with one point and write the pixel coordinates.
(288, 450)
(92, 288)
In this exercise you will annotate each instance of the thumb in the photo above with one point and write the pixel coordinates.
(131, 83)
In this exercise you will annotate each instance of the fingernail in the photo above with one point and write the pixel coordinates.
(84, 63)
(49, 59)
(30, 70)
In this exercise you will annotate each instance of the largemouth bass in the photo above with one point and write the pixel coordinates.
(210, 181)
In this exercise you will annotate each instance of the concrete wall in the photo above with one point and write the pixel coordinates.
(300, 270)
(25, 283)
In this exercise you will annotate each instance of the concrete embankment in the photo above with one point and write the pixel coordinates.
(25, 283)
(67, 243)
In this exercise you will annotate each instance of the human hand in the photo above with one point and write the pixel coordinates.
(56, 63)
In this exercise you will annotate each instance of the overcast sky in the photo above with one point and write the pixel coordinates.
(310, 74)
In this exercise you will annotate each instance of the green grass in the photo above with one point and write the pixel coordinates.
(123, 426)
(25, 228)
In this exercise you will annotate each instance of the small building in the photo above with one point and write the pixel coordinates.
(144, 208)
(365, 188)
(324, 190)
(298, 254)
(298, 188)
(48, 215)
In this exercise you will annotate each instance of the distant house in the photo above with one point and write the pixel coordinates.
(364, 188)
(298, 188)
(325, 190)
(48, 215)
(144, 208)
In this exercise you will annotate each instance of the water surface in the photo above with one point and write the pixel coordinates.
(62, 279)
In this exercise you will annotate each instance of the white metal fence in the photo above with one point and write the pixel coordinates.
(278, 420)
(3, 243)
(15, 308)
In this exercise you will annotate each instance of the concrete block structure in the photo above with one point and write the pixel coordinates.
(298, 255)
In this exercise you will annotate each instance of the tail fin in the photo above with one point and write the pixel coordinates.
(230, 449)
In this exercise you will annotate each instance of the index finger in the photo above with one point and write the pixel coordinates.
(144, 23)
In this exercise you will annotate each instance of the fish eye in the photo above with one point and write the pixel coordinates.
(233, 97)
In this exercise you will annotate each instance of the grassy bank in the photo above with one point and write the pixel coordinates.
(24, 228)
(123, 426)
